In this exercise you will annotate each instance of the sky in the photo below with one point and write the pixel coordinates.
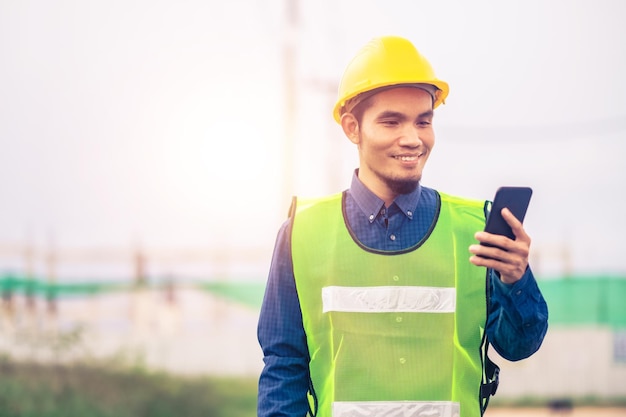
(163, 124)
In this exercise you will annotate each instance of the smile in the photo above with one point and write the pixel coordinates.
(407, 158)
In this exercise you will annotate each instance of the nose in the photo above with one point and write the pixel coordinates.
(411, 137)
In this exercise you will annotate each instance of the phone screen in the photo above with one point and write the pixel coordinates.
(515, 199)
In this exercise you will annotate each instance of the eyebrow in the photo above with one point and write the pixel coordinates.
(398, 115)
(429, 113)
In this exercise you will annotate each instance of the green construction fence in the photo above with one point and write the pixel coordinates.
(574, 300)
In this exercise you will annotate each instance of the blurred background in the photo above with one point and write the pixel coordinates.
(149, 151)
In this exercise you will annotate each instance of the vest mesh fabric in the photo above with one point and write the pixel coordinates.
(386, 343)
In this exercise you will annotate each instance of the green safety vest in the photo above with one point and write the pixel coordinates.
(391, 333)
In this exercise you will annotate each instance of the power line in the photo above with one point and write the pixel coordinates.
(597, 129)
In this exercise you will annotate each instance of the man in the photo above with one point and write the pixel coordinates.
(372, 307)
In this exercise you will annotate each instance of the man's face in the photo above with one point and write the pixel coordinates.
(395, 138)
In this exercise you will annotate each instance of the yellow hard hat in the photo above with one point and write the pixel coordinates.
(384, 62)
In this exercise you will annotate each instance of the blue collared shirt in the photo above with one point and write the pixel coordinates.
(516, 324)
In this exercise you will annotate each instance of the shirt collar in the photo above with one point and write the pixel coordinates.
(371, 205)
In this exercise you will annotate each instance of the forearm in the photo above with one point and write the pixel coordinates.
(518, 317)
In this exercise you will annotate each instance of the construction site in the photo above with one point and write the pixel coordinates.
(150, 152)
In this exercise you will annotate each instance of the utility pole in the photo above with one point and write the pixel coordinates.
(289, 68)
(29, 276)
(334, 160)
(51, 264)
(139, 267)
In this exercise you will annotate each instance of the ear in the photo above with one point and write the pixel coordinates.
(350, 126)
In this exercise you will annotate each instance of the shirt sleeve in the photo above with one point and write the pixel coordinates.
(284, 381)
(518, 317)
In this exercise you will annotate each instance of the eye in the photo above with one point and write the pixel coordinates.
(424, 123)
(389, 122)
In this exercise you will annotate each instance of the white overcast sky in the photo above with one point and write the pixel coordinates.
(164, 121)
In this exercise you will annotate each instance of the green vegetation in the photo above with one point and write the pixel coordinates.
(28, 389)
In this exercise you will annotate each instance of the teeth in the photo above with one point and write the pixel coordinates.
(406, 158)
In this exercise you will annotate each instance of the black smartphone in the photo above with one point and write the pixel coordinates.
(515, 199)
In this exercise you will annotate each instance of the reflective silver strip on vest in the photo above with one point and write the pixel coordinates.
(389, 299)
(396, 409)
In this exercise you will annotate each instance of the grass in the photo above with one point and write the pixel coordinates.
(110, 390)
(574, 401)
(28, 390)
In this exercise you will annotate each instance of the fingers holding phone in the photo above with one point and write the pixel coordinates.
(502, 240)
(504, 244)
(507, 256)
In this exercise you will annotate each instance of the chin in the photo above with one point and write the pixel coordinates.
(403, 186)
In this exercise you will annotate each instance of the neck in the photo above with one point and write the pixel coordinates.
(378, 187)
